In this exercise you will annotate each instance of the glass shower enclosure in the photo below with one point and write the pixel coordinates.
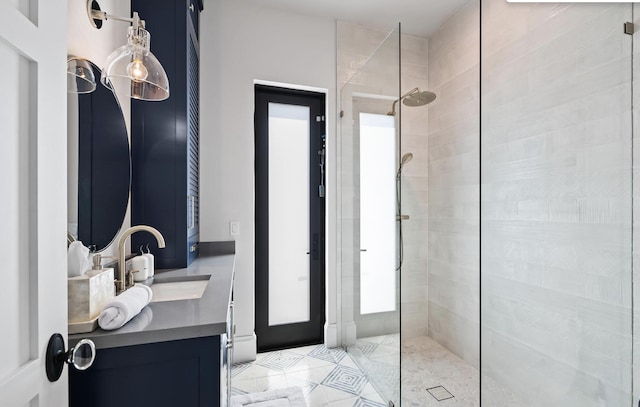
(554, 187)
(369, 208)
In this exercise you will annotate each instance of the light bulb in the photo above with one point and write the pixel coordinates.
(137, 71)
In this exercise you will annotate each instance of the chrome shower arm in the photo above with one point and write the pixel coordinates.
(395, 102)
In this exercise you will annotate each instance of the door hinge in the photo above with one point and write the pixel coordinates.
(629, 28)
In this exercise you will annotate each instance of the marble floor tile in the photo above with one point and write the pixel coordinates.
(335, 378)
(327, 377)
(379, 359)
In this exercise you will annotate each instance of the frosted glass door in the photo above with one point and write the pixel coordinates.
(288, 214)
(377, 214)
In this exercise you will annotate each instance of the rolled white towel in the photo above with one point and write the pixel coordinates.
(139, 322)
(124, 307)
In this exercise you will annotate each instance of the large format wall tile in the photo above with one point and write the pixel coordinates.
(453, 166)
(556, 202)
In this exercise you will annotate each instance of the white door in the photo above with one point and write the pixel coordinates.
(33, 303)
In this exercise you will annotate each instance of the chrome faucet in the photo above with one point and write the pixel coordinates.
(121, 282)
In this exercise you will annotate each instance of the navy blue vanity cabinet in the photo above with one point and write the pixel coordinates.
(175, 373)
(165, 136)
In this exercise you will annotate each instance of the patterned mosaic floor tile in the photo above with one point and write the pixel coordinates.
(346, 379)
(330, 355)
(362, 402)
(280, 360)
(327, 377)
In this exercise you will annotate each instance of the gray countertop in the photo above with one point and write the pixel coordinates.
(174, 320)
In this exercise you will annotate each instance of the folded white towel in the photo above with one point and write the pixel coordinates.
(124, 307)
(77, 259)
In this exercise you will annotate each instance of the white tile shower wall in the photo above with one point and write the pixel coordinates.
(453, 250)
(414, 278)
(355, 44)
(379, 75)
(556, 202)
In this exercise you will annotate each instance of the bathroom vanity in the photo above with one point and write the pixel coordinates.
(174, 353)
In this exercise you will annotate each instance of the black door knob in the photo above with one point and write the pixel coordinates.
(81, 356)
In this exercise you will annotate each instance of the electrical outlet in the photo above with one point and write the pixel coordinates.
(234, 228)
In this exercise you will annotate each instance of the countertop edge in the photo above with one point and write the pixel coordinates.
(178, 320)
(157, 336)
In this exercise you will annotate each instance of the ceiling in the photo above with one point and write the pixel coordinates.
(418, 17)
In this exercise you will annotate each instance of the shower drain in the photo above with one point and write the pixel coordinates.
(440, 393)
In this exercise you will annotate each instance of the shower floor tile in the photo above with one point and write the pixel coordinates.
(427, 364)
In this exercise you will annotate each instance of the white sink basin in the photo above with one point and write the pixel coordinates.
(179, 288)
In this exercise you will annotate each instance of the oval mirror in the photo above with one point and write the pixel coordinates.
(99, 166)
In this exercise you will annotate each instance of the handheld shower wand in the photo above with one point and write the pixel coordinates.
(400, 217)
(405, 159)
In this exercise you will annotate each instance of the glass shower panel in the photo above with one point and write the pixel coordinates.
(556, 205)
(370, 335)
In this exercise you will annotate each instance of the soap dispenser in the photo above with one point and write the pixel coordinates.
(140, 267)
(97, 262)
(151, 265)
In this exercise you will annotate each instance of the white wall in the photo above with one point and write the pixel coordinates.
(241, 43)
(556, 202)
(83, 40)
(453, 250)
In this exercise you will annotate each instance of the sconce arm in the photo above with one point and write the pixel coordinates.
(96, 14)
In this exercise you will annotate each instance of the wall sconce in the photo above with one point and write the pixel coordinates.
(80, 77)
(132, 65)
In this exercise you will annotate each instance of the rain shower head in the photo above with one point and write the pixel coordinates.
(415, 97)
(419, 98)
